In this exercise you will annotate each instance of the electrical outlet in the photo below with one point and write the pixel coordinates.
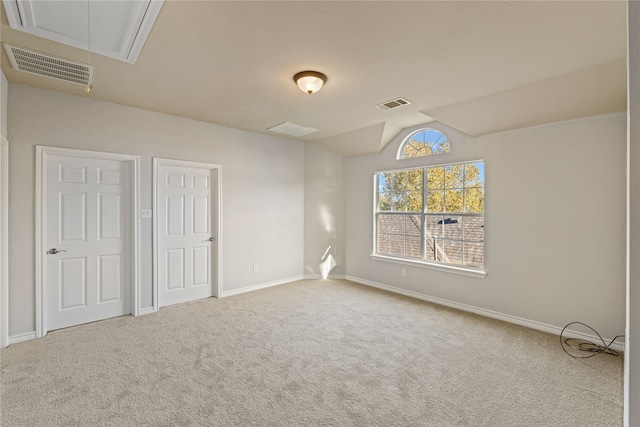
(404, 272)
(255, 268)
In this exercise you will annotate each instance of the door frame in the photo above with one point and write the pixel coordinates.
(42, 153)
(216, 221)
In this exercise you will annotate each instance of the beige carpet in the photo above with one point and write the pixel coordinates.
(311, 353)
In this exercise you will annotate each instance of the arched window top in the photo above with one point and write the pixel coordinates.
(423, 142)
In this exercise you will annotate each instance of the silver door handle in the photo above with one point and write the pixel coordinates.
(211, 239)
(54, 251)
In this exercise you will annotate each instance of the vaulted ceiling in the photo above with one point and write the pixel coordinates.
(477, 66)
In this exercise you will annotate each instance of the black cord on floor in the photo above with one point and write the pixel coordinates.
(587, 346)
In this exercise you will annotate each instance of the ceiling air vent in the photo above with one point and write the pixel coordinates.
(42, 64)
(395, 103)
(288, 128)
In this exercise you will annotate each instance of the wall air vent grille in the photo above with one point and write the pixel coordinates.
(395, 103)
(45, 65)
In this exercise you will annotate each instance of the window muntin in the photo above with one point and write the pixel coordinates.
(433, 214)
(423, 142)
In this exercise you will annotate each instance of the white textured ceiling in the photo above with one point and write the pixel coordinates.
(480, 67)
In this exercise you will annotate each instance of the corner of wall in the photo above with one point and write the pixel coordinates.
(4, 90)
(324, 252)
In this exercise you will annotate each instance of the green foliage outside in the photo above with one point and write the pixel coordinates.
(414, 148)
(453, 189)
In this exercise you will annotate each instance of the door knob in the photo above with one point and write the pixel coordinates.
(54, 251)
(211, 239)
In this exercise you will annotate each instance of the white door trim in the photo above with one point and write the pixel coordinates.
(4, 243)
(216, 223)
(41, 224)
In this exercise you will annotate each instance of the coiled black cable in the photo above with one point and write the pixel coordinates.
(587, 346)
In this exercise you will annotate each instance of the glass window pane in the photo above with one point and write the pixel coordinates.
(474, 229)
(414, 179)
(414, 201)
(474, 254)
(396, 224)
(435, 178)
(453, 200)
(452, 227)
(439, 142)
(414, 148)
(395, 181)
(384, 201)
(474, 200)
(452, 252)
(424, 142)
(435, 201)
(433, 249)
(400, 202)
(434, 226)
(413, 225)
(381, 181)
(474, 174)
(454, 176)
(383, 244)
(383, 224)
(396, 245)
(413, 247)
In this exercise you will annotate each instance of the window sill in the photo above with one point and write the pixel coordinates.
(432, 266)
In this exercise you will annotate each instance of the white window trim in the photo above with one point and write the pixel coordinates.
(431, 266)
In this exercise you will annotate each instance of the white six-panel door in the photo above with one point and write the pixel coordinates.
(185, 239)
(88, 240)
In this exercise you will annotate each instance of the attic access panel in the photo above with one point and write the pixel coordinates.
(118, 29)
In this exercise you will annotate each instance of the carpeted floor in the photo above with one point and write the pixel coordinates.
(310, 353)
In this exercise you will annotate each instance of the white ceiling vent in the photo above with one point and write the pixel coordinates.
(292, 129)
(42, 64)
(395, 103)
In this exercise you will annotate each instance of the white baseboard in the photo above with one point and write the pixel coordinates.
(319, 276)
(617, 345)
(27, 336)
(252, 288)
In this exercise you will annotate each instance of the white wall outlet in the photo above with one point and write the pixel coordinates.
(404, 272)
(255, 268)
(146, 213)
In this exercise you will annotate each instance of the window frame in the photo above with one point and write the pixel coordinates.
(423, 262)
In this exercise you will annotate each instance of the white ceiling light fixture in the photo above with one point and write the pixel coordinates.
(310, 81)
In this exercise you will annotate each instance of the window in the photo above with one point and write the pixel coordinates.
(432, 214)
(423, 142)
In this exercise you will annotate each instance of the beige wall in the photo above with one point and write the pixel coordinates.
(4, 91)
(4, 230)
(324, 212)
(554, 221)
(262, 185)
